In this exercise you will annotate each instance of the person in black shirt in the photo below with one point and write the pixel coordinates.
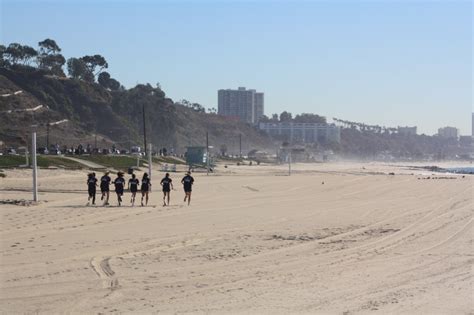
(146, 184)
(167, 184)
(187, 182)
(91, 187)
(133, 187)
(119, 186)
(104, 187)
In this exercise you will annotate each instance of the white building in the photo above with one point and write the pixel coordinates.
(246, 105)
(303, 132)
(407, 131)
(448, 132)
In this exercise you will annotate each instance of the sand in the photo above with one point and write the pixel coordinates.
(253, 241)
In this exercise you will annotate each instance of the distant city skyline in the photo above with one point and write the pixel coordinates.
(406, 63)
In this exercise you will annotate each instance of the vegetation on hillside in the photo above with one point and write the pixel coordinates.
(95, 103)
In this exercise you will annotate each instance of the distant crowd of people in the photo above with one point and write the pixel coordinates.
(133, 183)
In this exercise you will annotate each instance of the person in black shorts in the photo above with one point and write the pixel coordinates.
(133, 187)
(167, 185)
(104, 187)
(187, 182)
(91, 187)
(119, 186)
(146, 184)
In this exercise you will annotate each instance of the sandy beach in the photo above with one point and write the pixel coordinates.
(336, 238)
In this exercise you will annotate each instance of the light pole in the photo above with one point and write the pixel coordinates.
(240, 145)
(149, 160)
(207, 152)
(144, 128)
(33, 143)
(289, 163)
(34, 166)
(48, 127)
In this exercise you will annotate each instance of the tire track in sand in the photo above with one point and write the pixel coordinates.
(101, 267)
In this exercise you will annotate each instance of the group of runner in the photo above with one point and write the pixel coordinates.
(133, 183)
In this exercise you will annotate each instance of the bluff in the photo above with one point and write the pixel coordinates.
(115, 116)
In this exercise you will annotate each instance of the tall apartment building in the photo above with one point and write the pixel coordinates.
(246, 105)
(258, 106)
(448, 132)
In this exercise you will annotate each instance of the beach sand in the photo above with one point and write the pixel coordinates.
(254, 240)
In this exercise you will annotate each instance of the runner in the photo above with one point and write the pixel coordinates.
(91, 185)
(104, 187)
(133, 187)
(146, 184)
(167, 184)
(119, 185)
(187, 182)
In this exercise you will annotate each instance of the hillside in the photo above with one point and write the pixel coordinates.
(116, 116)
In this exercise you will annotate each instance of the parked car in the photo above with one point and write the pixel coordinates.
(135, 149)
(11, 151)
(42, 150)
(55, 152)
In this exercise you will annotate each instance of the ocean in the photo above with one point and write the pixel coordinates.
(461, 170)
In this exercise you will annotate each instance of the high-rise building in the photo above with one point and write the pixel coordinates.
(448, 132)
(246, 105)
(258, 106)
(472, 123)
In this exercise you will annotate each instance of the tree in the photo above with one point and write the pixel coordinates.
(95, 64)
(17, 53)
(275, 117)
(198, 107)
(49, 47)
(3, 57)
(212, 110)
(114, 85)
(184, 102)
(50, 58)
(103, 79)
(77, 69)
(310, 118)
(107, 82)
(146, 89)
(286, 117)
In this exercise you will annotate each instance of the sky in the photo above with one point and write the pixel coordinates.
(392, 63)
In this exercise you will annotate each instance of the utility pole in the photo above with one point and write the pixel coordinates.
(144, 127)
(34, 166)
(289, 163)
(150, 150)
(48, 126)
(207, 152)
(26, 152)
(240, 145)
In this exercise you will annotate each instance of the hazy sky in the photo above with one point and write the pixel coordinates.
(380, 62)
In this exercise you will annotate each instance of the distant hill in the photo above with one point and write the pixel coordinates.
(116, 116)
